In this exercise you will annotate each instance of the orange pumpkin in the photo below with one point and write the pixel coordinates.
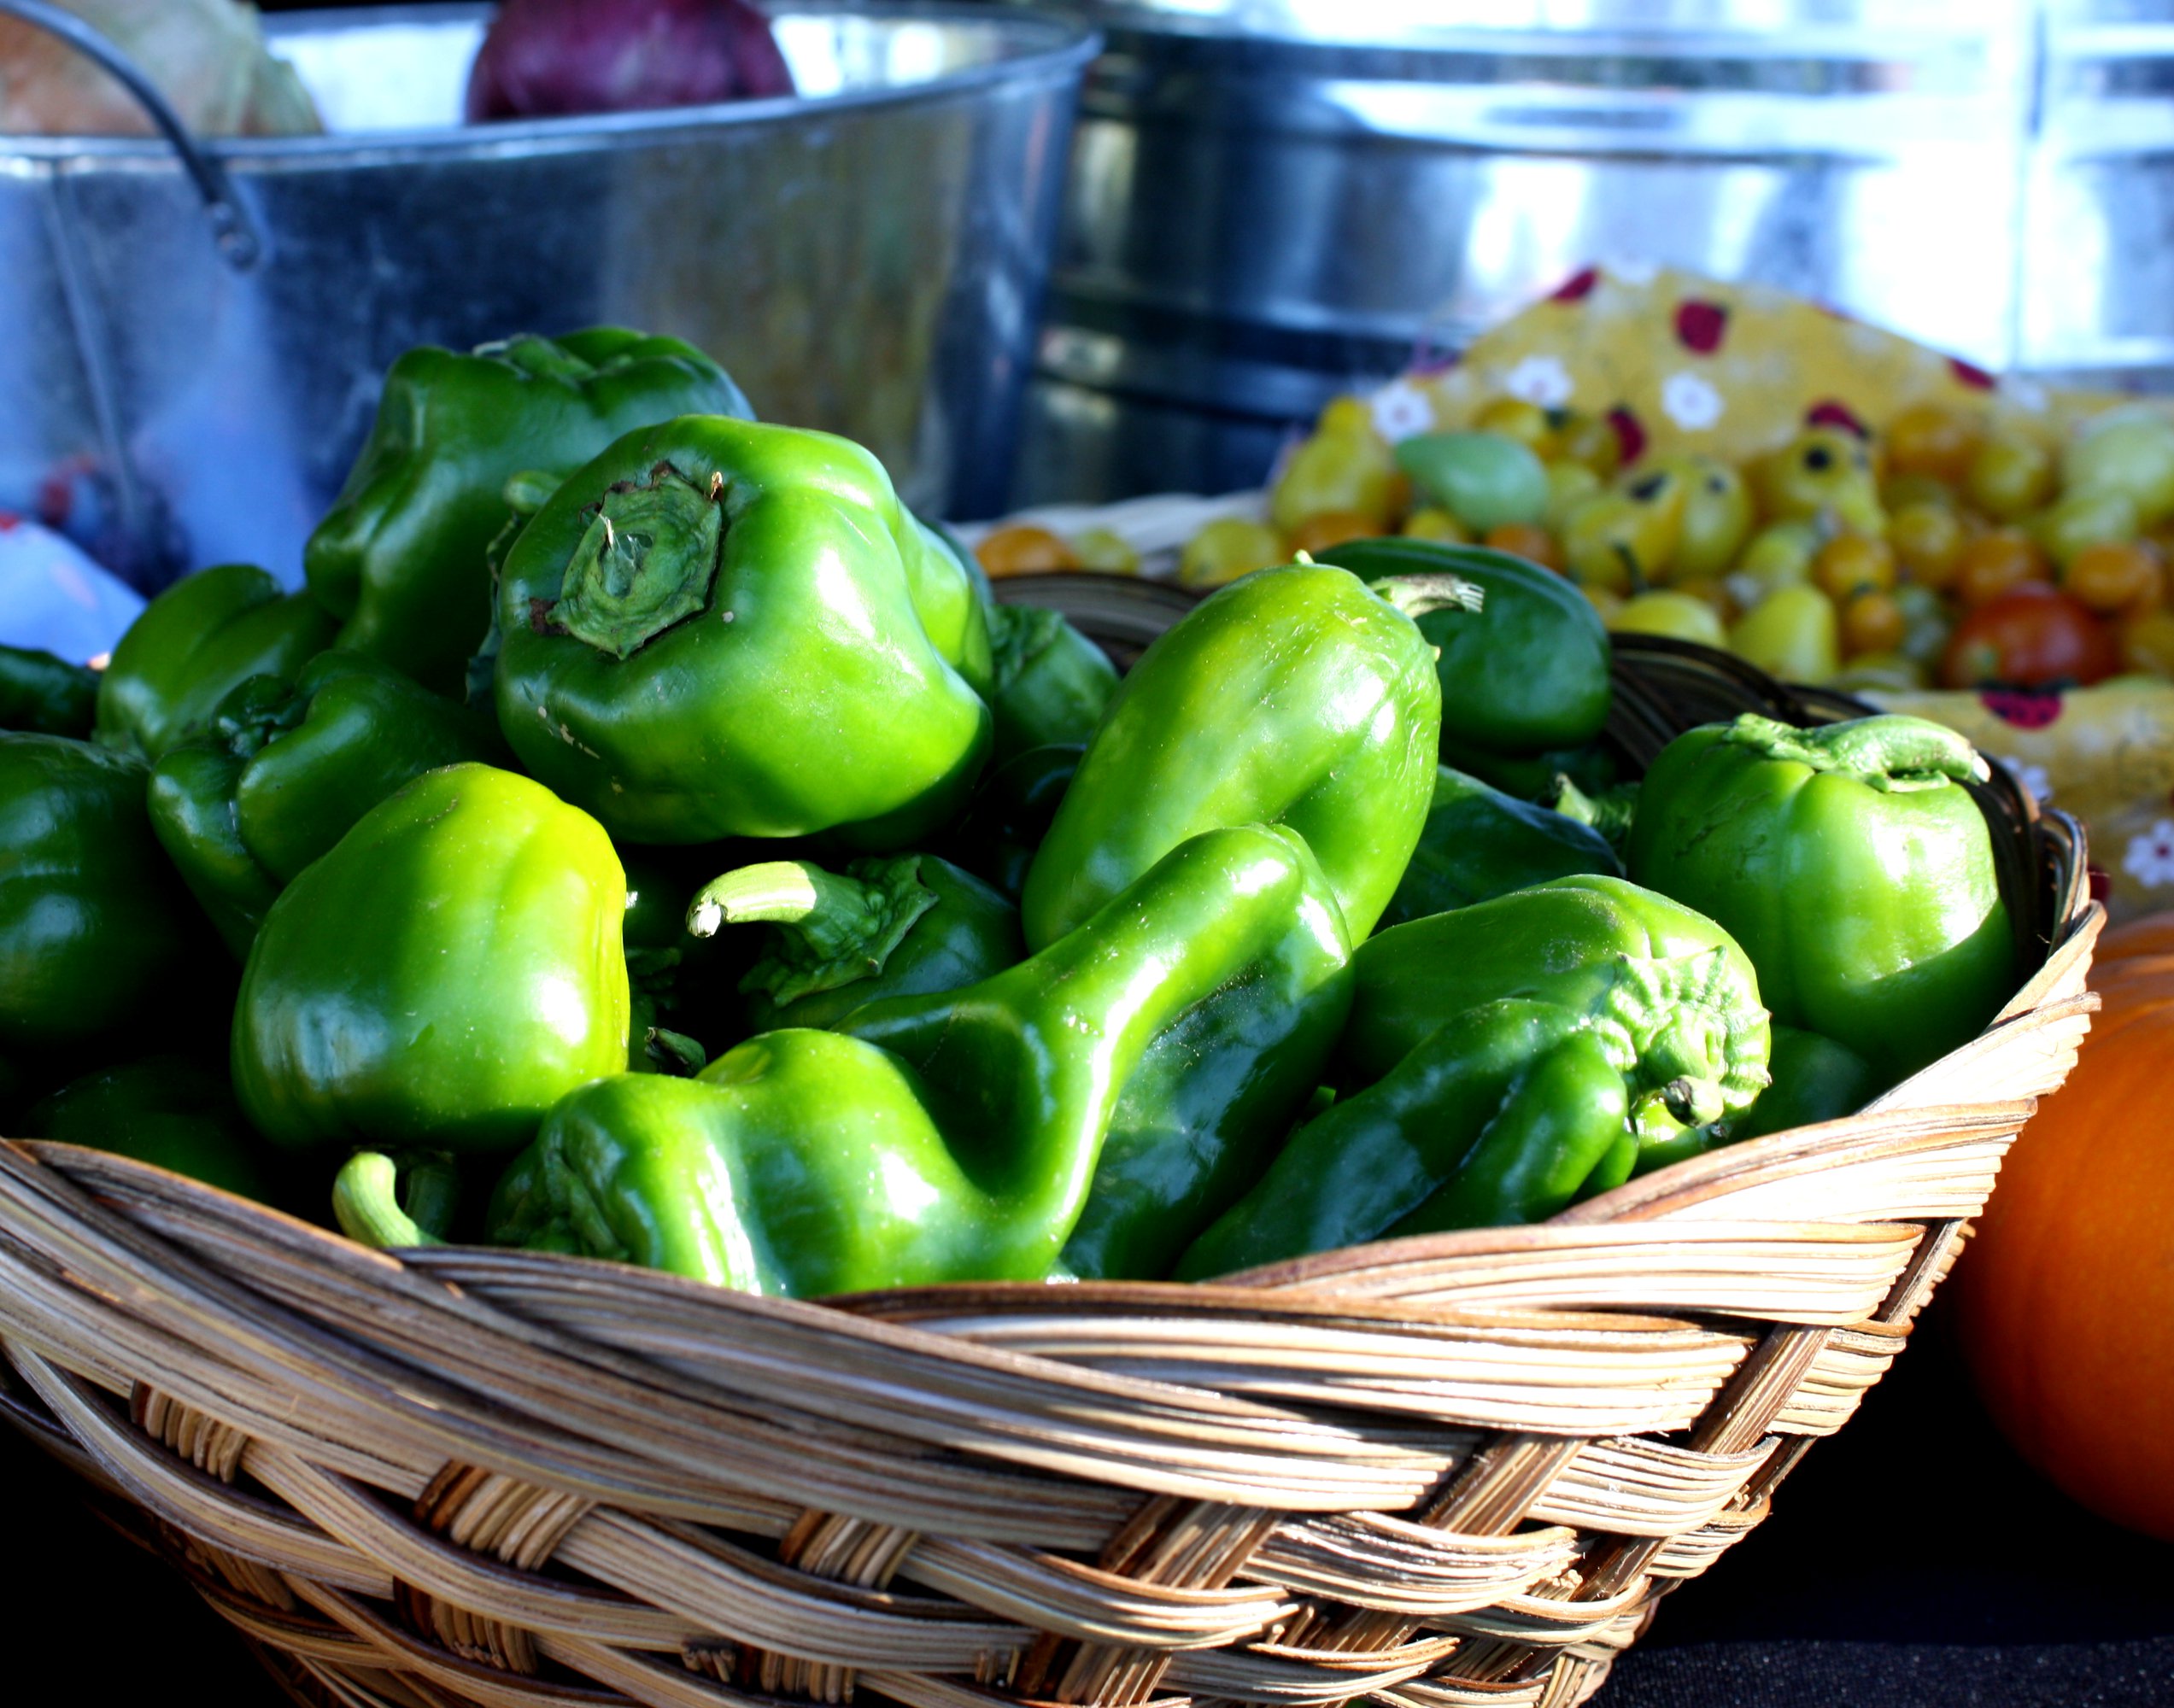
(2066, 1294)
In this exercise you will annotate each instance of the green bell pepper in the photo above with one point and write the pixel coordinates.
(1053, 684)
(194, 645)
(1504, 1060)
(96, 934)
(900, 925)
(1486, 480)
(1295, 696)
(719, 628)
(283, 772)
(1480, 843)
(1591, 768)
(398, 558)
(169, 1110)
(43, 695)
(1528, 671)
(1852, 864)
(939, 1138)
(1009, 817)
(446, 974)
(1814, 1080)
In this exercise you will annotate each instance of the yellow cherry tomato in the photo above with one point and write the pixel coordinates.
(1996, 563)
(1780, 554)
(2078, 520)
(1793, 634)
(1346, 415)
(1098, 548)
(1932, 439)
(1515, 418)
(1898, 491)
(1570, 485)
(1523, 540)
(1331, 528)
(1435, 522)
(1624, 538)
(1225, 550)
(1024, 550)
(1666, 612)
(1823, 471)
(1927, 623)
(2148, 643)
(1342, 471)
(1588, 439)
(2010, 477)
(1850, 562)
(1717, 515)
(2126, 577)
(1872, 620)
(1880, 673)
(2131, 451)
(1928, 539)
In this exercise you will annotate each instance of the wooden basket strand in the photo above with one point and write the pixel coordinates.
(1455, 1471)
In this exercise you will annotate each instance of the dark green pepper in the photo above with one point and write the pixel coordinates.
(719, 628)
(43, 695)
(96, 935)
(1480, 843)
(900, 925)
(1009, 817)
(1814, 1080)
(399, 559)
(1527, 672)
(1053, 684)
(1538, 777)
(194, 645)
(1852, 864)
(445, 974)
(1504, 1060)
(283, 772)
(171, 1111)
(941, 1137)
(1295, 696)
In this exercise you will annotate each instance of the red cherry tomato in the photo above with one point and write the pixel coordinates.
(2030, 637)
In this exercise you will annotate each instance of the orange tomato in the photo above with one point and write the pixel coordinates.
(1850, 562)
(1025, 551)
(2032, 637)
(1931, 439)
(1928, 539)
(1996, 563)
(1332, 529)
(2125, 576)
(1523, 540)
(1872, 621)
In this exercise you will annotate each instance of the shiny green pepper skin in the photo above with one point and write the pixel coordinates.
(96, 934)
(901, 925)
(398, 558)
(43, 695)
(1853, 865)
(1295, 696)
(444, 975)
(1814, 1080)
(719, 628)
(194, 645)
(1053, 684)
(283, 772)
(1527, 672)
(1480, 843)
(1504, 1060)
(169, 1110)
(1486, 480)
(941, 1137)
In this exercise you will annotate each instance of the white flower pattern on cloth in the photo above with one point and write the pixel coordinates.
(2150, 857)
(1540, 379)
(1692, 402)
(2032, 780)
(1401, 411)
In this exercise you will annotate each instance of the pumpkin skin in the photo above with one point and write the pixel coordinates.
(2066, 1294)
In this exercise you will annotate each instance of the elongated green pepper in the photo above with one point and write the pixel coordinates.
(43, 695)
(284, 771)
(1505, 1059)
(1296, 696)
(399, 559)
(717, 628)
(899, 925)
(194, 645)
(1853, 866)
(1480, 843)
(939, 1138)
(449, 970)
(1526, 672)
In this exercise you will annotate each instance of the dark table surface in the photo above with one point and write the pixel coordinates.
(1912, 1562)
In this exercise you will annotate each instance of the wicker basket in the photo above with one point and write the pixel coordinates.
(1457, 1469)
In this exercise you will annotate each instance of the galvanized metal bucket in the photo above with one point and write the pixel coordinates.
(1274, 199)
(184, 389)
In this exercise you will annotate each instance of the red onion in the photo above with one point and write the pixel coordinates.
(557, 56)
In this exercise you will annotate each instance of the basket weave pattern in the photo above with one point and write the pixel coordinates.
(1435, 1472)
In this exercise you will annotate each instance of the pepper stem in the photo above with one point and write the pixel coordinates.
(1417, 595)
(373, 1210)
(1890, 752)
(646, 562)
(832, 928)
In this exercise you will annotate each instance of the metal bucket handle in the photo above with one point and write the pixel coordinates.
(233, 229)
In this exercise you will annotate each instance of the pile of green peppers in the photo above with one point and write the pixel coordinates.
(641, 837)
